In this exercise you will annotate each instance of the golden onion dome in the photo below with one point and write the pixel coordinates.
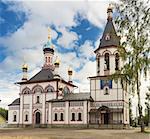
(70, 71)
(110, 8)
(24, 66)
(57, 61)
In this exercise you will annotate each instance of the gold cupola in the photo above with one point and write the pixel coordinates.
(70, 72)
(57, 62)
(24, 66)
(24, 71)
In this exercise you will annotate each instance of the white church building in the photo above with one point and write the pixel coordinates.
(47, 100)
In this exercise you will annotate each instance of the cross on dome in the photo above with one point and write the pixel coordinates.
(24, 66)
(109, 12)
(49, 44)
(49, 35)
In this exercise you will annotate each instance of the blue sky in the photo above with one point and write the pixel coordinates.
(10, 21)
(76, 29)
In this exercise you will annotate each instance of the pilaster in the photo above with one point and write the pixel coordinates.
(85, 112)
(67, 112)
(21, 109)
(50, 113)
(43, 108)
(30, 109)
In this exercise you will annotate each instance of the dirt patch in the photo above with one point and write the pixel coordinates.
(59, 133)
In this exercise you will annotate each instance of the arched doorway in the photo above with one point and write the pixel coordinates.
(104, 114)
(37, 118)
(106, 118)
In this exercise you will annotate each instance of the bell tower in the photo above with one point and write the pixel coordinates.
(110, 98)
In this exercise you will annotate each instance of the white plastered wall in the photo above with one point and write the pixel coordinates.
(13, 110)
(98, 94)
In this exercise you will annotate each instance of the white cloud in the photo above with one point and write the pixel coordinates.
(68, 38)
(97, 12)
(87, 49)
(58, 13)
(31, 35)
(8, 92)
(67, 59)
(83, 75)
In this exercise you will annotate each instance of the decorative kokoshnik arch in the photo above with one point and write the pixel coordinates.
(37, 88)
(26, 90)
(49, 89)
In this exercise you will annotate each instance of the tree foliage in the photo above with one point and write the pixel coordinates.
(133, 24)
(4, 113)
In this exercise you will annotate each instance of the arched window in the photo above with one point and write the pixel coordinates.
(46, 59)
(26, 117)
(49, 59)
(73, 117)
(107, 37)
(79, 117)
(14, 116)
(55, 118)
(106, 91)
(116, 61)
(106, 61)
(38, 99)
(98, 64)
(61, 117)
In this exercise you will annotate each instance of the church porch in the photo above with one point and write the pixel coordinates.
(105, 117)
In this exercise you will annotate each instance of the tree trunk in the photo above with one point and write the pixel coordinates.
(139, 104)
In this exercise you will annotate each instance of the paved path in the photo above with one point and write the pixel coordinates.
(58, 133)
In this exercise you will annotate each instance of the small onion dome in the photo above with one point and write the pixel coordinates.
(109, 9)
(24, 66)
(57, 61)
(70, 71)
